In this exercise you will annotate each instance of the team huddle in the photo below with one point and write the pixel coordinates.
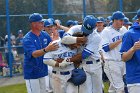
(53, 53)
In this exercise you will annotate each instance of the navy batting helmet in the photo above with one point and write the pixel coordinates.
(78, 77)
(89, 24)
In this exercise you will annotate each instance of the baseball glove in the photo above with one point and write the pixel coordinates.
(78, 77)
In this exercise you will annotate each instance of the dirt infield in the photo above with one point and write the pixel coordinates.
(11, 80)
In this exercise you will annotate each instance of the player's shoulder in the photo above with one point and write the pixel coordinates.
(106, 31)
(94, 36)
(28, 36)
(123, 29)
(74, 29)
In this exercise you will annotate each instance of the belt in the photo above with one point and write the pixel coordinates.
(91, 62)
(113, 60)
(62, 73)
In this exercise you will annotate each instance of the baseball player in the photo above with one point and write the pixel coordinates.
(50, 28)
(62, 71)
(131, 55)
(36, 44)
(114, 67)
(90, 55)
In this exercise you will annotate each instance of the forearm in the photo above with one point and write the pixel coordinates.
(76, 58)
(128, 55)
(64, 28)
(115, 44)
(38, 53)
(72, 40)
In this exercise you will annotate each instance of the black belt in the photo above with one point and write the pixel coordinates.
(62, 73)
(91, 62)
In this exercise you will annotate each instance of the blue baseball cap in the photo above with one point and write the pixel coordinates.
(108, 18)
(118, 15)
(76, 22)
(126, 21)
(35, 17)
(48, 22)
(138, 13)
(70, 22)
(100, 19)
(89, 23)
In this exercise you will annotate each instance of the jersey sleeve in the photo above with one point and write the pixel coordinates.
(127, 43)
(105, 40)
(48, 56)
(28, 46)
(92, 46)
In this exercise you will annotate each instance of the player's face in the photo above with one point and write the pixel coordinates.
(48, 29)
(99, 24)
(119, 23)
(38, 25)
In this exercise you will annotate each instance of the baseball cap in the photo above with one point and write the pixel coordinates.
(70, 22)
(89, 23)
(126, 21)
(35, 17)
(118, 15)
(48, 22)
(20, 32)
(100, 19)
(108, 18)
(138, 13)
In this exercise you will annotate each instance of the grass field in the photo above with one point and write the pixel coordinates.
(21, 88)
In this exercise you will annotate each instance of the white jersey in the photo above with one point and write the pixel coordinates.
(74, 29)
(62, 52)
(92, 45)
(110, 35)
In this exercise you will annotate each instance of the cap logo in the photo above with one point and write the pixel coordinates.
(88, 26)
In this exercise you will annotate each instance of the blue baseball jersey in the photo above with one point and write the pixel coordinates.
(34, 67)
(61, 33)
(132, 65)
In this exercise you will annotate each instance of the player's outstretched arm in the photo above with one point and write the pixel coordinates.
(72, 40)
(41, 52)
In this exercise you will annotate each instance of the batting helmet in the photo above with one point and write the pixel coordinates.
(89, 23)
(118, 15)
(78, 77)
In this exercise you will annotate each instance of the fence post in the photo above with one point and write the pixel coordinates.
(9, 38)
(84, 8)
(121, 5)
(50, 3)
